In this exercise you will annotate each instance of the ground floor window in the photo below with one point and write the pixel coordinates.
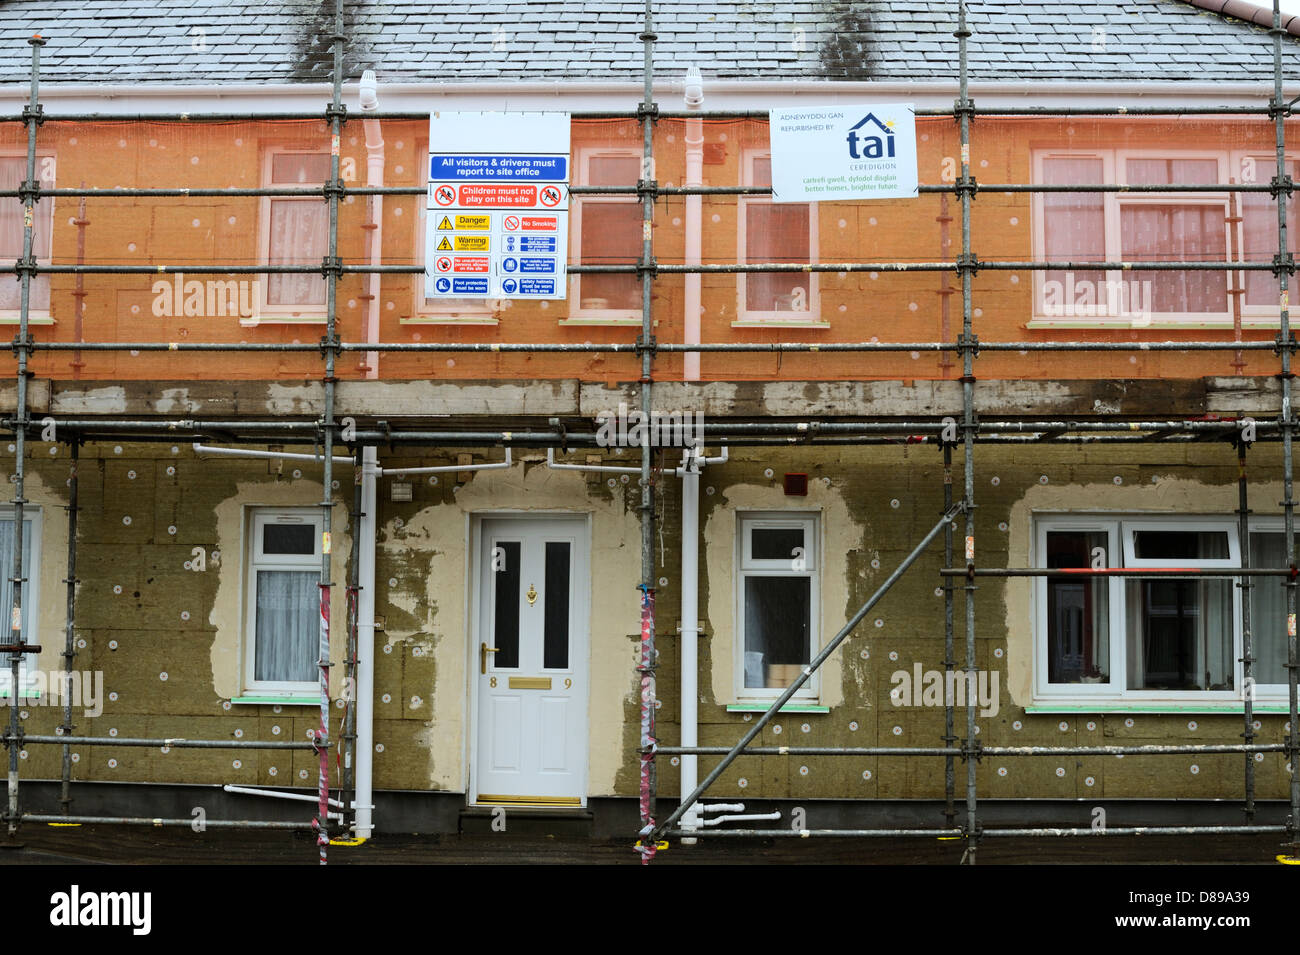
(1148, 639)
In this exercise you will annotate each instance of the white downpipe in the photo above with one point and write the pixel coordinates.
(365, 696)
(365, 670)
(694, 221)
(448, 468)
(690, 635)
(374, 177)
(692, 460)
(267, 455)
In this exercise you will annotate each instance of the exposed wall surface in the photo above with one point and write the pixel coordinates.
(166, 639)
(843, 305)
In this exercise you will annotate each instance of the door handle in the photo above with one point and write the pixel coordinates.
(483, 651)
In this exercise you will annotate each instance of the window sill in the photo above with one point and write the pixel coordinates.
(1127, 324)
(281, 700)
(788, 708)
(450, 318)
(779, 323)
(1118, 706)
(612, 320)
(256, 320)
(10, 319)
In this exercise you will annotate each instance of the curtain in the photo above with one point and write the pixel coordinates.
(299, 230)
(1268, 610)
(1074, 230)
(13, 169)
(288, 626)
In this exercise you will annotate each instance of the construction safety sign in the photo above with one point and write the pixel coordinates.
(497, 214)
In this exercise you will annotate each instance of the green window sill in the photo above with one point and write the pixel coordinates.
(788, 708)
(281, 700)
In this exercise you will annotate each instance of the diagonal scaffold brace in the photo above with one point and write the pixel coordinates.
(806, 675)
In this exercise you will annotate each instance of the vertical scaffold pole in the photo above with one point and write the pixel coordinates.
(26, 268)
(1282, 264)
(949, 766)
(646, 189)
(70, 631)
(967, 344)
(1247, 641)
(333, 271)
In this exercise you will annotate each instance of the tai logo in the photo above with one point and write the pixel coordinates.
(74, 908)
(873, 146)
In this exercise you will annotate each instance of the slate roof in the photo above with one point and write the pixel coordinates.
(187, 41)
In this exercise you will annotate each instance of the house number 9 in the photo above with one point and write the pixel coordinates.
(568, 684)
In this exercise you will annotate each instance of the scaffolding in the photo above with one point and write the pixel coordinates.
(324, 432)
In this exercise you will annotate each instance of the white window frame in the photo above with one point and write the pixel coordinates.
(13, 316)
(746, 522)
(269, 314)
(427, 311)
(1115, 171)
(1266, 525)
(578, 315)
(31, 609)
(1115, 616)
(1257, 316)
(255, 517)
(1116, 695)
(745, 316)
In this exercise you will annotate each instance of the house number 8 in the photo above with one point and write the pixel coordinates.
(492, 682)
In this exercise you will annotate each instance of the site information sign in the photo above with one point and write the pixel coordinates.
(498, 206)
(826, 154)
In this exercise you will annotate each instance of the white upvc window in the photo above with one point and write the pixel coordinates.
(606, 230)
(1268, 617)
(31, 571)
(1256, 236)
(1132, 227)
(1151, 641)
(282, 601)
(13, 170)
(441, 311)
(294, 231)
(777, 603)
(774, 232)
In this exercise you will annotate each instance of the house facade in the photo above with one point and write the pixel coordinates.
(502, 618)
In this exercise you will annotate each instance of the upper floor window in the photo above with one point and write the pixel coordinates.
(1141, 227)
(13, 170)
(606, 230)
(775, 232)
(294, 231)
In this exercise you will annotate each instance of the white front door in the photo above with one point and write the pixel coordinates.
(530, 663)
